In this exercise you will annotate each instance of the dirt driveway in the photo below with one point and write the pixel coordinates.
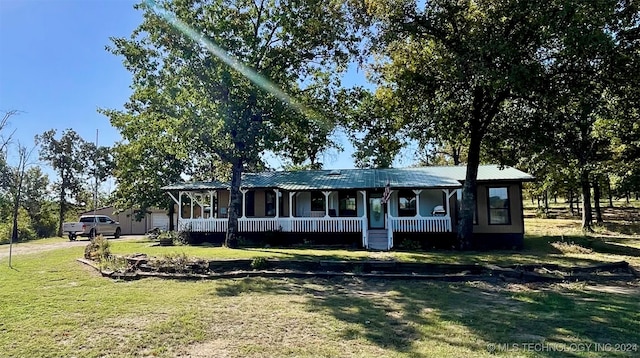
(24, 248)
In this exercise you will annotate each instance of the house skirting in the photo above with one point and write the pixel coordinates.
(278, 238)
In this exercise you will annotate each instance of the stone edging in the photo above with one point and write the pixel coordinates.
(615, 271)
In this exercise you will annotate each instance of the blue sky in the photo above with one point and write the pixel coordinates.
(55, 69)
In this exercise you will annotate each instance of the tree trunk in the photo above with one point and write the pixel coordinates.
(628, 195)
(172, 210)
(16, 207)
(555, 198)
(571, 201)
(469, 188)
(596, 200)
(61, 212)
(235, 204)
(586, 200)
(609, 192)
(546, 202)
(456, 155)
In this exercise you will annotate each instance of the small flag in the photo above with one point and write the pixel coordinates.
(387, 193)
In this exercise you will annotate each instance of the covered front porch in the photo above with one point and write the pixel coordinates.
(321, 211)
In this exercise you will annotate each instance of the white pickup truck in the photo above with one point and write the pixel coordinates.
(92, 226)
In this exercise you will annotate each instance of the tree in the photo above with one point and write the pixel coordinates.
(454, 65)
(18, 174)
(66, 157)
(37, 203)
(100, 166)
(373, 127)
(212, 77)
(585, 65)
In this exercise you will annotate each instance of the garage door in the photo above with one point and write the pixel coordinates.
(160, 221)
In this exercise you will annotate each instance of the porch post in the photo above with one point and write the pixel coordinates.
(217, 204)
(291, 194)
(277, 202)
(326, 203)
(244, 202)
(199, 201)
(211, 213)
(364, 201)
(191, 201)
(180, 204)
(417, 192)
(448, 196)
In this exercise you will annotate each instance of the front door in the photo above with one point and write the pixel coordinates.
(376, 212)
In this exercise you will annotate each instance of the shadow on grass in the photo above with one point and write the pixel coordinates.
(416, 318)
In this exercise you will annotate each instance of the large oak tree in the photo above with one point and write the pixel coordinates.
(210, 81)
(454, 66)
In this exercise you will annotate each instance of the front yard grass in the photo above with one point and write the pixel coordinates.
(52, 306)
(542, 234)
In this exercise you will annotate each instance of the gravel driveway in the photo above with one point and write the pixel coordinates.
(24, 248)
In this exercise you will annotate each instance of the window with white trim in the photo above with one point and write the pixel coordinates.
(498, 206)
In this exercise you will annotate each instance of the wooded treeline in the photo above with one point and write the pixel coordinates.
(552, 88)
(31, 205)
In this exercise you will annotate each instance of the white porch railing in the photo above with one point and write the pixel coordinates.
(258, 224)
(420, 224)
(295, 224)
(203, 225)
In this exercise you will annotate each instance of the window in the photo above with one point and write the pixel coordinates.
(317, 201)
(499, 213)
(347, 203)
(87, 219)
(103, 219)
(270, 203)
(406, 203)
(250, 208)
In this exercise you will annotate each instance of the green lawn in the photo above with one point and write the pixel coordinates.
(541, 246)
(52, 306)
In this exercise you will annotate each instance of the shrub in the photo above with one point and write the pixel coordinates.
(172, 262)
(25, 230)
(98, 249)
(409, 244)
(183, 237)
(167, 238)
(259, 263)
(114, 263)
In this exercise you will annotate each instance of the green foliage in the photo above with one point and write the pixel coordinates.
(259, 263)
(167, 238)
(25, 228)
(98, 249)
(194, 112)
(409, 244)
(114, 263)
(74, 160)
(171, 262)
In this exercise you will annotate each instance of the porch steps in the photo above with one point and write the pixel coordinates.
(378, 240)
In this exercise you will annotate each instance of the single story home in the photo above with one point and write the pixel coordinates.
(372, 208)
(154, 218)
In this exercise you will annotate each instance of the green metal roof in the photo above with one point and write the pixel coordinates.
(197, 185)
(423, 177)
